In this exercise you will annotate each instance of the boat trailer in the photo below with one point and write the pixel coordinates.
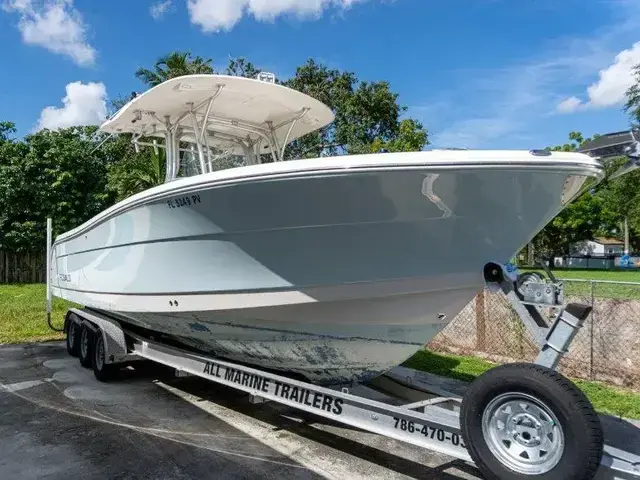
(519, 435)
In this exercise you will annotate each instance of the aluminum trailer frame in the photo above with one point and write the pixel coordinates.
(437, 429)
(432, 423)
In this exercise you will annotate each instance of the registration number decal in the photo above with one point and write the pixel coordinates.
(185, 201)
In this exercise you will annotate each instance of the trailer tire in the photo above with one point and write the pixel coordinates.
(85, 350)
(102, 370)
(73, 337)
(526, 421)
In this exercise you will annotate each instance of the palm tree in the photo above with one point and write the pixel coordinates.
(136, 172)
(173, 65)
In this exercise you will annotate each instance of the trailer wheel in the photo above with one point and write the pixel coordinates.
(527, 421)
(73, 340)
(86, 347)
(103, 371)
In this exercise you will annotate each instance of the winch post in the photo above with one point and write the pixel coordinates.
(531, 318)
(562, 333)
(553, 340)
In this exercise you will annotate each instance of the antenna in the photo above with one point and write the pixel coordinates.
(101, 143)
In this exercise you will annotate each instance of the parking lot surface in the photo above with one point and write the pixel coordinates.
(58, 422)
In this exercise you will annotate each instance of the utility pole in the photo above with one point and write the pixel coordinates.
(626, 236)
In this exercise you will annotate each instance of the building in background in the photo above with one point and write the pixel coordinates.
(599, 246)
(599, 253)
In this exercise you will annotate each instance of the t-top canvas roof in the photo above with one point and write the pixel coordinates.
(234, 108)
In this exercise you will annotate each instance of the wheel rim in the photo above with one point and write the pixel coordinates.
(84, 342)
(99, 353)
(523, 433)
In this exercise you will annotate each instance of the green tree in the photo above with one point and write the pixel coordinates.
(136, 172)
(411, 137)
(50, 173)
(367, 115)
(330, 87)
(241, 67)
(632, 104)
(172, 65)
(6, 130)
(623, 193)
(119, 102)
(576, 140)
(7, 145)
(622, 204)
(579, 221)
(610, 209)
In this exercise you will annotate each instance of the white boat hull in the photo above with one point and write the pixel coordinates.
(333, 273)
(319, 341)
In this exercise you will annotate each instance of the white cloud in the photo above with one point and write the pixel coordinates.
(218, 15)
(158, 9)
(612, 85)
(83, 104)
(55, 25)
(569, 105)
(509, 106)
(498, 103)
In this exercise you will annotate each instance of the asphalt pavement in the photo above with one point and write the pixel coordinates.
(58, 422)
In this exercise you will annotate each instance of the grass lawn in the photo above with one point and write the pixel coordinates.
(600, 290)
(605, 399)
(610, 275)
(23, 315)
(584, 274)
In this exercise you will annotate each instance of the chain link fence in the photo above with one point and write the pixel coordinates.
(606, 349)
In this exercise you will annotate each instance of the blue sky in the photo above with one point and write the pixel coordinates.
(477, 73)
